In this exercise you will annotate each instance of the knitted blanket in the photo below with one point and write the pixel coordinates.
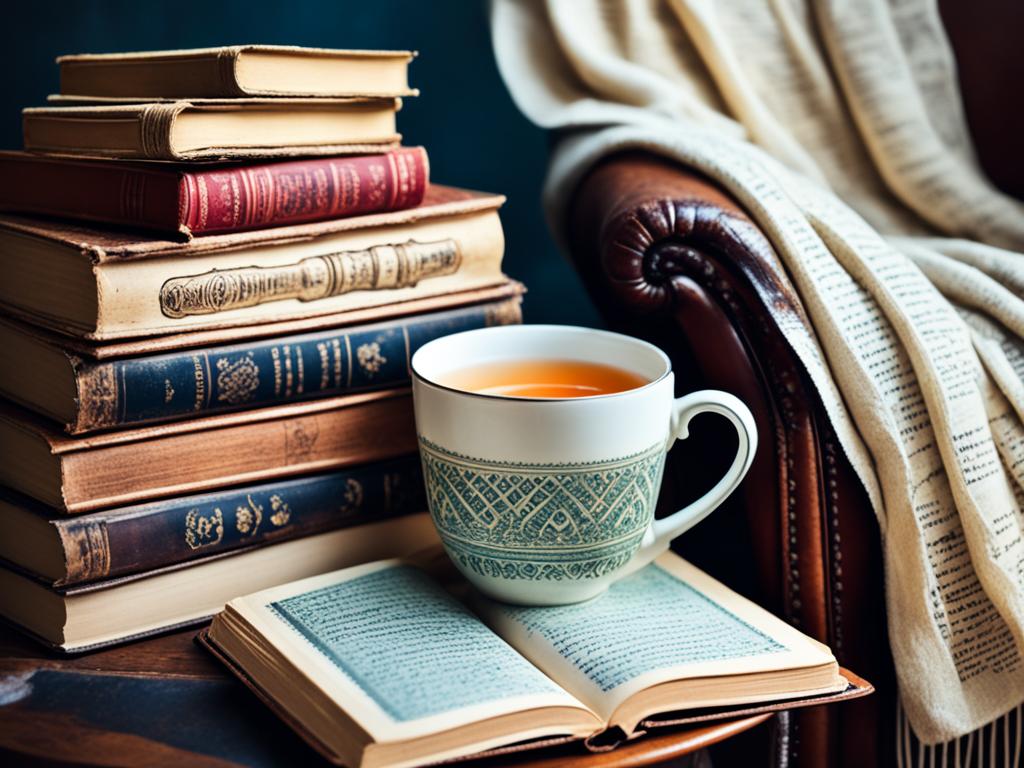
(838, 126)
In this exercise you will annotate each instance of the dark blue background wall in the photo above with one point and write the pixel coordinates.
(475, 135)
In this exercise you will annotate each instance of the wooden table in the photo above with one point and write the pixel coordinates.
(164, 701)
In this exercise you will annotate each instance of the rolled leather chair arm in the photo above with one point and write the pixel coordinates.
(668, 256)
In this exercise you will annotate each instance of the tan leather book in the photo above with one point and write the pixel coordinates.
(102, 284)
(213, 130)
(114, 468)
(233, 71)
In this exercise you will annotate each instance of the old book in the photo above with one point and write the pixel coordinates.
(103, 285)
(228, 130)
(84, 394)
(379, 665)
(85, 617)
(235, 71)
(63, 550)
(110, 349)
(79, 474)
(187, 201)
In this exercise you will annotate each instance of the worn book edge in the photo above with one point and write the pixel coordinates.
(500, 294)
(291, 508)
(101, 246)
(60, 650)
(87, 100)
(105, 390)
(156, 121)
(61, 443)
(186, 53)
(327, 187)
(226, 58)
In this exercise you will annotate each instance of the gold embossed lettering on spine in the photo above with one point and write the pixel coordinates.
(380, 267)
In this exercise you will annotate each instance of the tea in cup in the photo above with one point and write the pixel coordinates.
(543, 449)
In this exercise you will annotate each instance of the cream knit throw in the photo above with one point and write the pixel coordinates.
(838, 126)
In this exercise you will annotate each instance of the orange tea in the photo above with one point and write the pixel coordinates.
(544, 379)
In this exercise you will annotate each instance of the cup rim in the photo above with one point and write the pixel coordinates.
(577, 329)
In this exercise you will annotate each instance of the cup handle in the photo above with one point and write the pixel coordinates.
(661, 532)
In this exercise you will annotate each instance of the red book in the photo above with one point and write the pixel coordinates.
(201, 201)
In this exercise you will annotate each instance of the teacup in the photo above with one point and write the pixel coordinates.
(550, 501)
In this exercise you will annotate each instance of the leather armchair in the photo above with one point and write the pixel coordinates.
(670, 258)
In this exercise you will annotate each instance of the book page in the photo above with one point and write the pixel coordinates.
(397, 652)
(666, 622)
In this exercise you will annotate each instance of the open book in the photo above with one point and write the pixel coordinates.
(379, 665)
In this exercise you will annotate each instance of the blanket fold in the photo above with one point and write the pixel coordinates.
(838, 127)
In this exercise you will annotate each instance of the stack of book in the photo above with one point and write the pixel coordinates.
(216, 264)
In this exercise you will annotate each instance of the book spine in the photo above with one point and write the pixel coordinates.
(151, 536)
(113, 193)
(265, 372)
(292, 441)
(235, 199)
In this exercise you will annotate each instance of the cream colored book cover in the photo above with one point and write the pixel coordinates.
(234, 71)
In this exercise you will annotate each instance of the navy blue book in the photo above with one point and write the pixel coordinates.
(86, 394)
(143, 538)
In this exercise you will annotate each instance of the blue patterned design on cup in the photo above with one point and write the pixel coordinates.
(541, 522)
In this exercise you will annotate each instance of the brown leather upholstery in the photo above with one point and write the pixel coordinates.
(669, 257)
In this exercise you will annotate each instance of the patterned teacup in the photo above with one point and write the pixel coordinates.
(549, 501)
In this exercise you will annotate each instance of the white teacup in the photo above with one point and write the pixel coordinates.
(549, 501)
